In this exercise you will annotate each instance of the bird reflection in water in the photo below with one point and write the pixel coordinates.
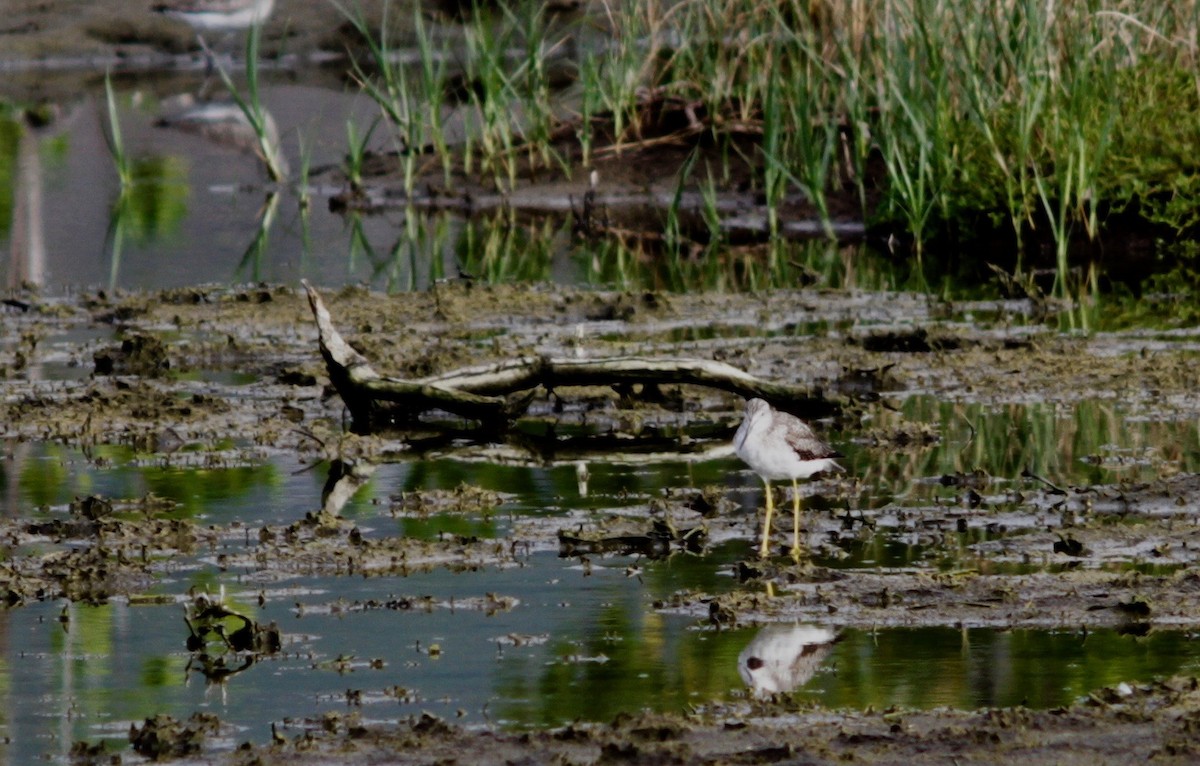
(344, 479)
(783, 658)
(224, 122)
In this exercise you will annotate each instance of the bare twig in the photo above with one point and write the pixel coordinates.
(497, 393)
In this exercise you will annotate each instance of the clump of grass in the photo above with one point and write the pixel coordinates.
(390, 89)
(489, 87)
(433, 86)
(501, 78)
(943, 121)
(357, 153)
(531, 84)
(302, 189)
(626, 67)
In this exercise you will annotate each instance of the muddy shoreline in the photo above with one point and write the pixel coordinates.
(1147, 722)
(1062, 558)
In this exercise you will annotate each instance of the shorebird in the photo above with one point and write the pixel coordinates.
(217, 16)
(778, 446)
(782, 658)
(224, 122)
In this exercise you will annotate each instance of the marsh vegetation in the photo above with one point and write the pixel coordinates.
(1036, 130)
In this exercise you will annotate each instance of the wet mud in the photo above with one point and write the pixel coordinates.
(154, 371)
(1150, 722)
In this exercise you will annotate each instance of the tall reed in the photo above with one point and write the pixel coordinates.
(250, 103)
(389, 87)
(113, 138)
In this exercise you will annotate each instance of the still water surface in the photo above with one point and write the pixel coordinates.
(202, 211)
(580, 642)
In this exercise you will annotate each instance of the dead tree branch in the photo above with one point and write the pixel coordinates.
(500, 392)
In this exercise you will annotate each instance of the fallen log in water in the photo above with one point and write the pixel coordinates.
(496, 394)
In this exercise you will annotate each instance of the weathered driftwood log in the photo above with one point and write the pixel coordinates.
(498, 393)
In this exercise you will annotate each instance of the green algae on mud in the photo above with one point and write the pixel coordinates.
(997, 540)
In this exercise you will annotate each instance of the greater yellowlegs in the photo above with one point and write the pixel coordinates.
(782, 658)
(777, 446)
(222, 17)
(217, 15)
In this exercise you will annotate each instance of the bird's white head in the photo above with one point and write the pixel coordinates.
(756, 406)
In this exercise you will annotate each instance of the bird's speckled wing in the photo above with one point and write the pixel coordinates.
(797, 435)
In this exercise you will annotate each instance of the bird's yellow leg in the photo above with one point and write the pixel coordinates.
(795, 520)
(763, 553)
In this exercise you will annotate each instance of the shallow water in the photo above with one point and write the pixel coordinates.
(576, 648)
(202, 209)
(581, 640)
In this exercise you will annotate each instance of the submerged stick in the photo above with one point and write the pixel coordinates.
(499, 392)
